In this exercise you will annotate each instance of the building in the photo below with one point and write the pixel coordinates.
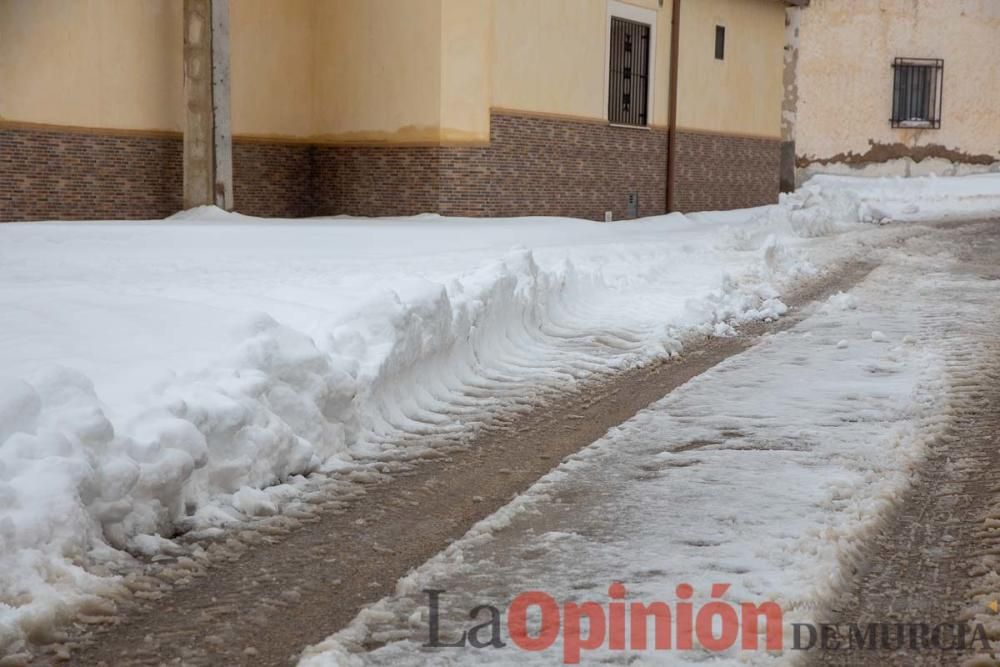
(898, 87)
(582, 108)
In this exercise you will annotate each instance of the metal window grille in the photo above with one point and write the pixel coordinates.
(917, 92)
(628, 81)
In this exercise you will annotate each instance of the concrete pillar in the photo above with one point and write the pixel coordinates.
(790, 101)
(207, 136)
(220, 101)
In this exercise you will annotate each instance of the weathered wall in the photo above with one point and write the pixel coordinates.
(845, 81)
(741, 94)
(790, 98)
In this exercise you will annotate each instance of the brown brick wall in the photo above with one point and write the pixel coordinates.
(719, 172)
(373, 181)
(546, 166)
(47, 175)
(273, 180)
(67, 175)
(532, 166)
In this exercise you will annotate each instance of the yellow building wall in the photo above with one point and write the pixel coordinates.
(466, 48)
(548, 56)
(378, 71)
(741, 94)
(92, 63)
(271, 67)
(845, 74)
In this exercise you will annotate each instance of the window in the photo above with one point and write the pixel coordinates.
(917, 91)
(628, 77)
(720, 42)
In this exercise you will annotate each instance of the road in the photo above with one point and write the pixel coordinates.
(754, 423)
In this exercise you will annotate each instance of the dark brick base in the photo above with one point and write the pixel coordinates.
(82, 176)
(543, 166)
(273, 180)
(720, 172)
(53, 175)
(532, 166)
(370, 181)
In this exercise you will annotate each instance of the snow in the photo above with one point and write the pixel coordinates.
(897, 199)
(904, 167)
(766, 473)
(187, 375)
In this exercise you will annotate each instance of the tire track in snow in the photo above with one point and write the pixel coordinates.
(292, 588)
(936, 559)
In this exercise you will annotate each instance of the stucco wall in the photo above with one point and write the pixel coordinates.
(845, 79)
(549, 57)
(118, 64)
(466, 47)
(272, 86)
(378, 71)
(742, 93)
(92, 63)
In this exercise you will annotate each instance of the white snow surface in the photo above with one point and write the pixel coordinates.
(184, 375)
(765, 473)
(899, 199)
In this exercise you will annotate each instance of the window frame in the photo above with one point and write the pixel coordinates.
(720, 42)
(929, 96)
(622, 10)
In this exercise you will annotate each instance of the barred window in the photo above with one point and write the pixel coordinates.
(628, 80)
(917, 92)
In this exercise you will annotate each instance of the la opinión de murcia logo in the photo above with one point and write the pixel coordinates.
(535, 621)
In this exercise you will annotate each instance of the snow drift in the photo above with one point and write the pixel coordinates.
(897, 199)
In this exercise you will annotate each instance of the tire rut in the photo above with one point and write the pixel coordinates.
(929, 563)
(270, 594)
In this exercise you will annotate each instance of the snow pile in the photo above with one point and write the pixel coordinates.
(766, 473)
(183, 376)
(825, 200)
(179, 376)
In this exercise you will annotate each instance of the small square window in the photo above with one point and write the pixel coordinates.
(918, 84)
(720, 42)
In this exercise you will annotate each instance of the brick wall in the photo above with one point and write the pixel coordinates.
(532, 166)
(73, 175)
(273, 180)
(372, 181)
(546, 166)
(47, 175)
(718, 172)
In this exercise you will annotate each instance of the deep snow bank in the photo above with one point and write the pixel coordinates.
(184, 375)
(897, 199)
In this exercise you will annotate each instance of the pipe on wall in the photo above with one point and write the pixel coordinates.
(675, 32)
